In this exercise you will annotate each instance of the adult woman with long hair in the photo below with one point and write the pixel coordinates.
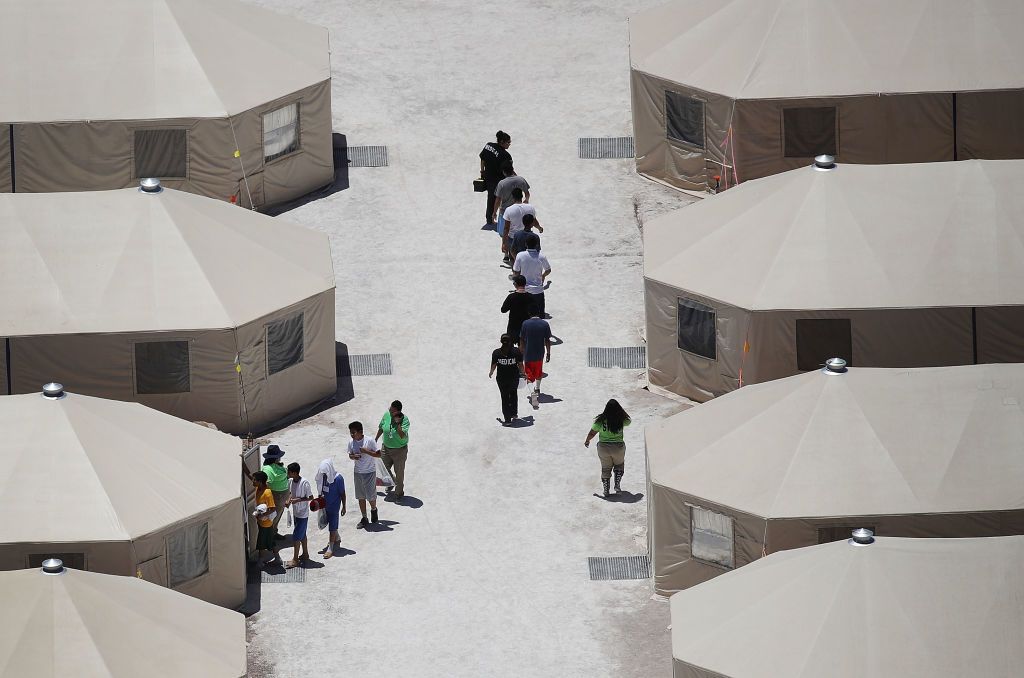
(507, 360)
(611, 450)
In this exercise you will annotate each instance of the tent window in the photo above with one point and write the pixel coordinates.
(696, 328)
(284, 343)
(162, 367)
(75, 561)
(280, 132)
(684, 119)
(808, 132)
(161, 153)
(711, 537)
(818, 339)
(827, 535)
(188, 553)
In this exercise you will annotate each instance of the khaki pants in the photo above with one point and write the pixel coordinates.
(394, 461)
(279, 499)
(611, 454)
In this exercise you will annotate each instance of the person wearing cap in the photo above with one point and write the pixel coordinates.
(394, 426)
(277, 481)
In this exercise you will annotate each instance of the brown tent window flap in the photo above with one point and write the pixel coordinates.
(280, 132)
(161, 153)
(808, 132)
(696, 329)
(684, 119)
(285, 343)
(711, 537)
(162, 367)
(818, 339)
(75, 561)
(188, 553)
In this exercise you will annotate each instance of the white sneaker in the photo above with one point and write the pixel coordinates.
(535, 400)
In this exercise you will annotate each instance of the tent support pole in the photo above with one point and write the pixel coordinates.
(974, 333)
(10, 137)
(955, 144)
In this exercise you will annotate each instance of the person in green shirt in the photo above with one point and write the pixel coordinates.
(611, 450)
(277, 480)
(394, 426)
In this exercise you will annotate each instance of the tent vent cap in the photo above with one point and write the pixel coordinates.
(150, 185)
(862, 536)
(53, 390)
(824, 162)
(834, 366)
(53, 566)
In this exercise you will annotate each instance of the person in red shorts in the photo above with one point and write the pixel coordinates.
(535, 341)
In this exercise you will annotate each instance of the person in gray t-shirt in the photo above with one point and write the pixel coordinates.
(503, 193)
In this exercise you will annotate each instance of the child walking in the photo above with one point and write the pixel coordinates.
(299, 494)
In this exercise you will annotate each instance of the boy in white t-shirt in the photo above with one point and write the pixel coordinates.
(299, 494)
(363, 452)
(513, 216)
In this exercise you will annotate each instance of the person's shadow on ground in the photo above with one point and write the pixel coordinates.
(623, 497)
(407, 501)
(546, 398)
(381, 526)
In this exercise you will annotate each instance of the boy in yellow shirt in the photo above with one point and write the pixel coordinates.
(266, 511)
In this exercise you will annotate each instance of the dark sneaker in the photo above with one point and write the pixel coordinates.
(373, 515)
(362, 523)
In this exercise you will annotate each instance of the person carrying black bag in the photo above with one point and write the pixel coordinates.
(492, 158)
(508, 361)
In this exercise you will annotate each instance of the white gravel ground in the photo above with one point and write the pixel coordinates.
(489, 576)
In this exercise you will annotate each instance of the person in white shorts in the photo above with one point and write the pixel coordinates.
(363, 452)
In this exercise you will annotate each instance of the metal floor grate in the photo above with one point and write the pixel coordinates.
(625, 357)
(367, 156)
(368, 365)
(601, 148)
(619, 567)
(296, 575)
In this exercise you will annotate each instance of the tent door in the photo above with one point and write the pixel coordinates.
(251, 461)
(251, 185)
(153, 570)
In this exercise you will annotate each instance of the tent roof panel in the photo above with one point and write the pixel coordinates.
(867, 442)
(860, 236)
(930, 607)
(145, 59)
(764, 49)
(125, 261)
(86, 469)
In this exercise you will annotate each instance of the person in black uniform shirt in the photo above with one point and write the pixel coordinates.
(508, 361)
(517, 304)
(492, 158)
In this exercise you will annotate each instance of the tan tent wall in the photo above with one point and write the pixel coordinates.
(268, 399)
(927, 337)
(102, 365)
(97, 155)
(674, 569)
(790, 533)
(105, 557)
(5, 158)
(990, 125)
(871, 130)
(223, 584)
(672, 162)
(690, 375)
(672, 566)
(896, 337)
